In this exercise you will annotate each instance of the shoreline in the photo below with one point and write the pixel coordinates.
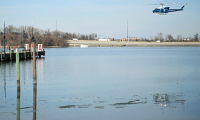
(72, 43)
(92, 43)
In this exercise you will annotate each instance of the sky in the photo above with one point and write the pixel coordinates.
(107, 18)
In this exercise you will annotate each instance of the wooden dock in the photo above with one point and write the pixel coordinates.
(22, 55)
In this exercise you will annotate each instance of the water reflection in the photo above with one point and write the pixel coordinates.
(112, 86)
(34, 104)
(40, 68)
(4, 71)
(18, 104)
(24, 71)
(34, 101)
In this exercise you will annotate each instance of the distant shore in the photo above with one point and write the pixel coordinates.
(92, 43)
(72, 43)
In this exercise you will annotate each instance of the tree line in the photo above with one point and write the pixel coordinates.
(15, 36)
(170, 38)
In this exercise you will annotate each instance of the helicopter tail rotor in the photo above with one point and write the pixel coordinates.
(184, 6)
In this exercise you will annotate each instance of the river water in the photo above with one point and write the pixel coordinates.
(122, 83)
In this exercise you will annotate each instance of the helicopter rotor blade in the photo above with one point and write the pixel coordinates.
(165, 4)
(153, 4)
(172, 3)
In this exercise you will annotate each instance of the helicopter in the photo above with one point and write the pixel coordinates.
(163, 10)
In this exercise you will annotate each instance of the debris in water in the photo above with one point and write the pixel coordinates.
(67, 106)
(26, 107)
(122, 105)
(84, 106)
(167, 99)
(73, 106)
(100, 107)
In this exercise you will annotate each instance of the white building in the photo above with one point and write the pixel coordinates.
(104, 39)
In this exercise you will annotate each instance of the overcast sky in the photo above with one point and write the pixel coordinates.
(104, 17)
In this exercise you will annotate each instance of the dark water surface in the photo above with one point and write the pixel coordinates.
(105, 83)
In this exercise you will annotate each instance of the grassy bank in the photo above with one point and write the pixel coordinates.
(131, 44)
(92, 43)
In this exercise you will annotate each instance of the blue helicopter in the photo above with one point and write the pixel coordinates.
(163, 10)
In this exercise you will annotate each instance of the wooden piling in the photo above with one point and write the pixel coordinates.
(1, 55)
(10, 53)
(31, 51)
(34, 63)
(18, 69)
(24, 53)
(17, 64)
(37, 51)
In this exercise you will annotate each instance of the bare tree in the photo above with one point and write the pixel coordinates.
(169, 38)
(196, 37)
(15, 36)
(156, 38)
(160, 36)
(179, 38)
(151, 37)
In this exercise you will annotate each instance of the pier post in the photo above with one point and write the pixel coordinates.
(18, 69)
(1, 55)
(31, 51)
(10, 53)
(5, 57)
(25, 53)
(34, 64)
(37, 51)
